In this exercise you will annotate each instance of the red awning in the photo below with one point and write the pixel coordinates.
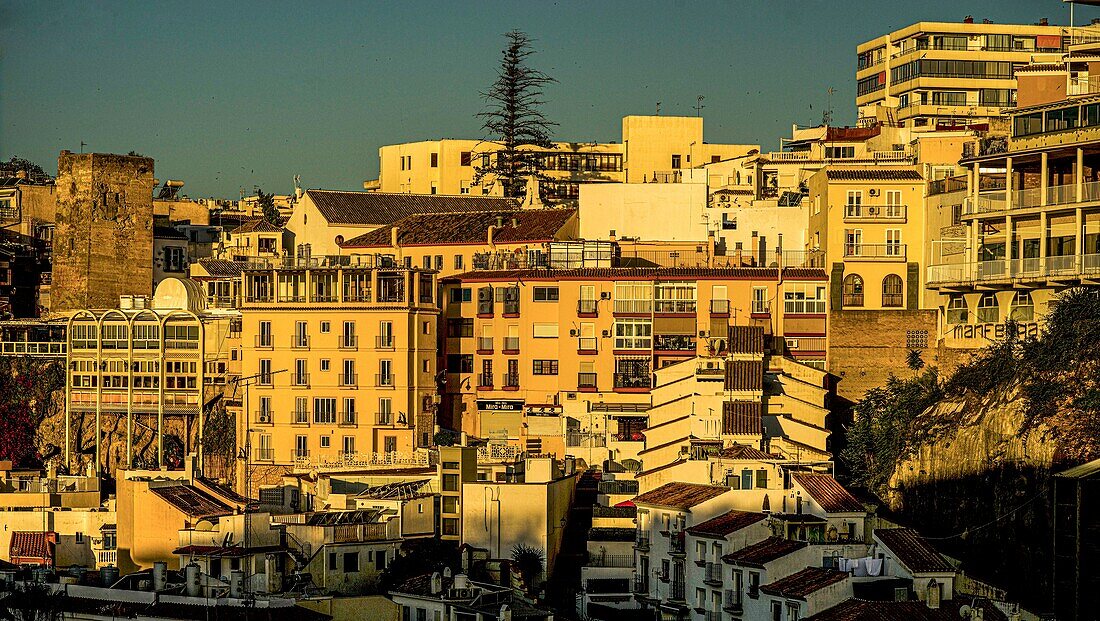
(625, 503)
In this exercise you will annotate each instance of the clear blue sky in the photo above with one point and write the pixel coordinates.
(234, 94)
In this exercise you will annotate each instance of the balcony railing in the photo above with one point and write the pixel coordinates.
(349, 380)
(881, 252)
(348, 341)
(631, 380)
(510, 380)
(634, 306)
(588, 307)
(674, 342)
(299, 341)
(1061, 266)
(383, 418)
(385, 341)
(485, 380)
(263, 341)
(1065, 194)
(1084, 86)
(610, 560)
(265, 454)
(384, 380)
(874, 213)
(641, 585)
(712, 574)
(732, 601)
(586, 343)
(263, 417)
(299, 379)
(485, 344)
(676, 590)
(511, 345)
(619, 487)
(676, 542)
(761, 307)
(641, 542)
(32, 348)
(586, 380)
(674, 306)
(720, 307)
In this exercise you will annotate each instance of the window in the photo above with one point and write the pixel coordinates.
(545, 367)
(892, 291)
(79, 536)
(351, 562)
(450, 482)
(464, 158)
(324, 410)
(957, 311)
(1028, 124)
(427, 262)
(761, 479)
(988, 311)
(349, 411)
(174, 259)
(326, 441)
(450, 504)
(460, 294)
(792, 611)
(324, 364)
(458, 263)
(546, 294)
(349, 446)
(1023, 308)
(893, 243)
(301, 373)
(634, 297)
(853, 242)
(385, 411)
(438, 262)
(804, 298)
(760, 304)
(853, 290)
(894, 206)
(840, 152)
(633, 333)
(326, 327)
(265, 372)
(777, 611)
(754, 584)
(301, 410)
(332, 561)
(675, 162)
(544, 330)
(301, 447)
(433, 160)
(916, 339)
(460, 328)
(1058, 120)
(460, 363)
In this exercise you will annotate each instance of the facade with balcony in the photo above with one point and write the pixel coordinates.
(341, 370)
(1028, 227)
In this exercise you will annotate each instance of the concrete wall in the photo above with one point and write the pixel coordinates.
(866, 347)
(649, 211)
(104, 220)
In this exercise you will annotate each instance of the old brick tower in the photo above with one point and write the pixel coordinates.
(103, 240)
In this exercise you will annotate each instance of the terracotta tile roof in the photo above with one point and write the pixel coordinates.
(805, 582)
(644, 273)
(741, 451)
(912, 550)
(681, 496)
(381, 208)
(741, 418)
(829, 493)
(863, 610)
(729, 522)
(31, 547)
(763, 552)
(532, 225)
(191, 501)
(872, 174)
(218, 267)
(257, 225)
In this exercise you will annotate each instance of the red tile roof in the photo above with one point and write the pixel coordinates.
(763, 552)
(742, 418)
(257, 225)
(863, 610)
(681, 496)
(913, 550)
(805, 582)
(380, 208)
(829, 493)
(531, 225)
(729, 522)
(32, 547)
(643, 273)
(191, 501)
(741, 451)
(873, 174)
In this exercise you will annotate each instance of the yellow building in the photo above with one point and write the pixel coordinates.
(652, 147)
(339, 368)
(256, 238)
(931, 75)
(868, 224)
(144, 366)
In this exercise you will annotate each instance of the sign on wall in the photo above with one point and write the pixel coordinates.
(500, 405)
(990, 331)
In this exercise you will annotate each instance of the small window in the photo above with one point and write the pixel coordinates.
(434, 160)
(676, 162)
(458, 262)
(351, 562)
(957, 311)
(464, 158)
(324, 364)
(988, 311)
(893, 294)
(1023, 308)
(546, 294)
(545, 367)
(853, 290)
(325, 327)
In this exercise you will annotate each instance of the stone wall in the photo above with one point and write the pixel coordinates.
(103, 242)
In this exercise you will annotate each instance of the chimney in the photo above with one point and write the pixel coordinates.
(1044, 21)
(489, 237)
(710, 248)
(753, 246)
(515, 222)
(437, 583)
(394, 233)
(611, 236)
(969, 19)
(500, 220)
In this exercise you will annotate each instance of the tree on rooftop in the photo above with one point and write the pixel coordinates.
(512, 119)
(266, 203)
(33, 171)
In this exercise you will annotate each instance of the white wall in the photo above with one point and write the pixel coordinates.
(648, 211)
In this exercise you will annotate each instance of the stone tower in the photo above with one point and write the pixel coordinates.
(103, 240)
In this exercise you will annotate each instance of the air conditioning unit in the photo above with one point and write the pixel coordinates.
(571, 396)
(264, 417)
(573, 333)
(607, 334)
(873, 192)
(605, 295)
(704, 333)
(725, 198)
(872, 211)
(792, 343)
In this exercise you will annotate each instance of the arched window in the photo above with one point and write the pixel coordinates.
(1023, 308)
(893, 295)
(957, 312)
(988, 311)
(853, 290)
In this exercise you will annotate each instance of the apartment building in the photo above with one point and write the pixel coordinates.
(932, 75)
(1026, 228)
(652, 148)
(339, 368)
(563, 348)
(146, 365)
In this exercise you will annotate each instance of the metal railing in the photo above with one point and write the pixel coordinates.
(299, 379)
(384, 341)
(712, 573)
(874, 213)
(587, 307)
(1062, 266)
(511, 344)
(263, 417)
(265, 454)
(641, 585)
(732, 601)
(384, 380)
(617, 487)
(299, 341)
(674, 342)
(641, 542)
(511, 380)
(263, 341)
(349, 380)
(610, 560)
(631, 380)
(676, 590)
(383, 418)
(893, 252)
(485, 343)
(32, 348)
(634, 306)
(586, 380)
(674, 306)
(485, 380)
(348, 341)
(587, 343)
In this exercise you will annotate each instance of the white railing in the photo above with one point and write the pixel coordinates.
(498, 452)
(107, 557)
(1062, 265)
(419, 457)
(1018, 269)
(1084, 86)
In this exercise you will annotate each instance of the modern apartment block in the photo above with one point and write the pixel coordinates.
(146, 367)
(339, 364)
(653, 148)
(932, 75)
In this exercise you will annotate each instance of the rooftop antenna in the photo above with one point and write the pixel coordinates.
(699, 105)
(82, 145)
(658, 108)
(827, 116)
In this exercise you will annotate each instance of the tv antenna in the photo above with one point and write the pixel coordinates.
(699, 105)
(827, 116)
(658, 108)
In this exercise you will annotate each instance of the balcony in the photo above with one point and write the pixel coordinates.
(874, 213)
(301, 417)
(634, 307)
(631, 381)
(384, 341)
(610, 560)
(347, 419)
(761, 307)
(997, 200)
(732, 601)
(641, 585)
(676, 590)
(674, 343)
(712, 574)
(511, 345)
(263, 341)
(712, 615)
(674, 307)
(484, 381)
(874, 252)
(384, 380)
(587, 344)
(484, 345)
(349, 380)
(642, 542)
(265, 454)
(1089, 85)
(263, 417)
(383, 418)
(619, 488)
(299, 379)
(299, 341)
(1057, 268)
(510, 381)
(720, 308)
(588, 308)
(676, 543)
(586, 382)
(349, 341)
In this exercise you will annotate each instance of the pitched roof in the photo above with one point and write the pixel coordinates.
(861, 610)
(728, 522)
(913, 550)
(256, 225)
(829, 493)
(531, 225)
(805, 582)
(191, 501)
(742, 451)
(681, 496)
(763, 552)
(381, 208)
(872, 174)
(218, 267)
(30, 546)
(645, 273)
(1082, 471)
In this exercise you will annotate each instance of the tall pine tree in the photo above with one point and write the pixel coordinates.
(512, 119)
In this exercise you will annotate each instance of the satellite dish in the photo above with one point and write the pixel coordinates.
(965, 610)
